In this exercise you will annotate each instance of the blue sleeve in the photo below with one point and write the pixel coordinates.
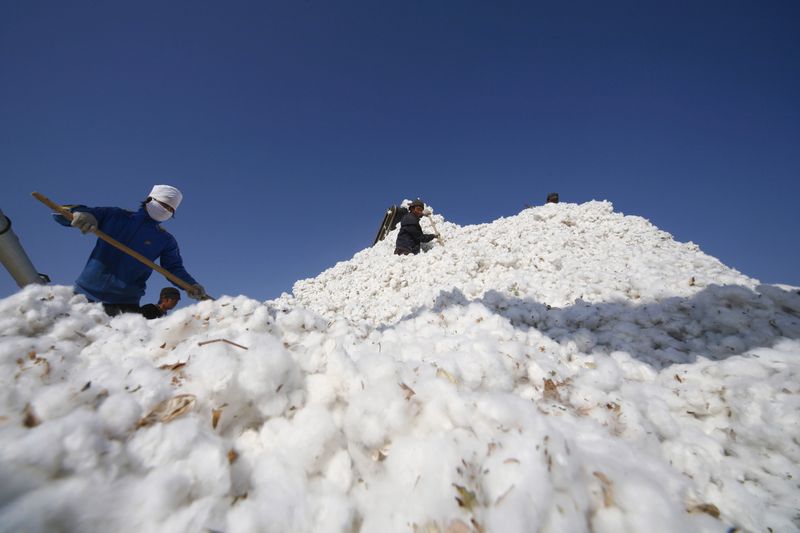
(100, 213)
(172, 261)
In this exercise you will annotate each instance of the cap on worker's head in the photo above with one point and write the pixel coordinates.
(167, 194)
(416, 203)
(170, 292)
(552, 198)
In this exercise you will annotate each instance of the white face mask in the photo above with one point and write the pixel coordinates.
(157, 212)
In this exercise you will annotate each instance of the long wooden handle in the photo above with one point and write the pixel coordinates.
(115, 243)
(438, 237)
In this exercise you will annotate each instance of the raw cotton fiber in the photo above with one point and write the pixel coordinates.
(565, 369)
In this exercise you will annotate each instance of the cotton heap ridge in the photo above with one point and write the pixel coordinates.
(565, 369)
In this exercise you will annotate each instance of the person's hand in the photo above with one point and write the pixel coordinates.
(84, 221)
(196, 292)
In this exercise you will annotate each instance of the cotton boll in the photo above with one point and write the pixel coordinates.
(514, 471)
(472, 289)
(608, 520)
(245, 517)
(281, 512)
(54, 401)
(321, 389)
(164, 443)
(507, 259)
(18, 477)
(630, 420)
(119, 413)
(584, 340)
(564, 469)
(267, 373)
(496, 377)
(208, 465)
(371, 415)
(605, 376)
(470, 369)
(311, 356)
(202, 514)
(439, 403)
(733, 344)
(215, 369)
(657, 411)
(84, 443)
(298, 320)
(333, 513)
(517, 509)
(45, 510)
(339, 472)
(72, 327)
(420, 472)
(37, 452)
(586, 398)
(693, 456)
(565, 515)
(156, 496)
(277, 498)
(537, 372)
(261, 320)
(705, 523)
(377, 368)
(305, 440)
(742, 367)
(73, 443)
(647, 506)
(343, 370)
(11, 351)
(633, 369)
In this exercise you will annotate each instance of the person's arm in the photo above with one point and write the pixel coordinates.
(101, 214)
(172, 261)
(416, 231)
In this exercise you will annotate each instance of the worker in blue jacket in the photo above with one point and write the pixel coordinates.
(112, 276)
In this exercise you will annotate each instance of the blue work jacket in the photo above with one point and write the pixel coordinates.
(112, 276)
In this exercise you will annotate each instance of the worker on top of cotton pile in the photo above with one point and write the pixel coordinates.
(410, 235)
(116, 279)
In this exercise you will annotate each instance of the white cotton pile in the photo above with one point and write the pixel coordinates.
(567, 369)
(556, 255)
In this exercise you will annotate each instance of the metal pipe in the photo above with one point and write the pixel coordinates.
(13, 256)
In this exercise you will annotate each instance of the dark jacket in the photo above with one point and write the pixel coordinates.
(112, 276)
(151, 311)
(410, 235)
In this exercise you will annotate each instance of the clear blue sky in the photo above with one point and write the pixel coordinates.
(291, 125)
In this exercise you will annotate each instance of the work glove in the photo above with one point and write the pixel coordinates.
(196, 292)
(84, 221)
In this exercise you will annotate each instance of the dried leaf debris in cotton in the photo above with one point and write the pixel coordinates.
(568, 368)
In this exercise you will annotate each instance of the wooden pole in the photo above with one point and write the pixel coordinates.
(438, 237)
(66, 213)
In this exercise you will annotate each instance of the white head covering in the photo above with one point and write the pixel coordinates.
(167, 194)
